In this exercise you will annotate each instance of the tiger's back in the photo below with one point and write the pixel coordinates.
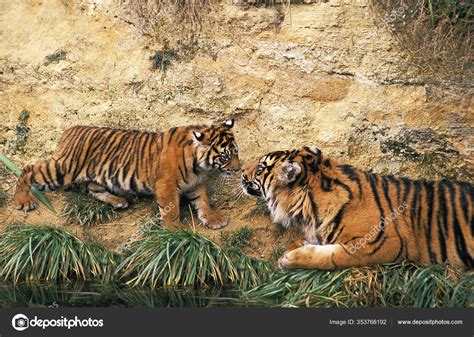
(121, 160)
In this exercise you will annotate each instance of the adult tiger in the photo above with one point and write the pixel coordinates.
(355, 218)
(113, 161)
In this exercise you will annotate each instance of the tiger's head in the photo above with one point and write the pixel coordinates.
(219, 149)
(279, 170)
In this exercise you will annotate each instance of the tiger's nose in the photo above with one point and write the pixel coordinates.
(234, 164)
(249, 166)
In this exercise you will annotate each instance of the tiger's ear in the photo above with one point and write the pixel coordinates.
(198, 136)
(228, 124)
(289, 172)
(313, 150)
(312, 157)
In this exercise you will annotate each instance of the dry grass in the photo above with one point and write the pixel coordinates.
(192, 13)
(178, 27)
(436, 35)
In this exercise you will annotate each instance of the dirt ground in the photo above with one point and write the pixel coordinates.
(267, 240)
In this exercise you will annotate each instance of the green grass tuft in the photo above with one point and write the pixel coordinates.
(43, 253)
(87, 211)
(163, 59)
(237, 238)
(392, 285)
(186, 258)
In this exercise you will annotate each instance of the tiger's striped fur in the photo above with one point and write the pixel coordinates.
(113, 161)
(355, 218)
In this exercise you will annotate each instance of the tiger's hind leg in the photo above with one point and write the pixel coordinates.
(100, 193)
(44, 175)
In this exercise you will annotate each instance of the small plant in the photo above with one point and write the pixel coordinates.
(4, 172)
(237, 238)
(22, 133)
(22, 130)
(60, 55)
(186, 258)
(43, 253)
(162, 59)
(87, 211)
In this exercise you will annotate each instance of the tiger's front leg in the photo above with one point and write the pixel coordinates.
(200, 200)
(167, 198)
(339, 256)
(310, 257)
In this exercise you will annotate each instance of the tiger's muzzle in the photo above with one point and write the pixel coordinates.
(232, 167)
(250, 188)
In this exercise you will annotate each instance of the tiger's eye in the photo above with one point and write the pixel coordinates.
(224, 158)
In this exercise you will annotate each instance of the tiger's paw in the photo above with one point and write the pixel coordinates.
(215, 220)
(285, 261)
(25, 203)
(109, 198)
(119, 203)
(309, 256)
(301, 257)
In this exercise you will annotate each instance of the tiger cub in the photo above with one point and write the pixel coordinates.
(355, 218)
(113, 162)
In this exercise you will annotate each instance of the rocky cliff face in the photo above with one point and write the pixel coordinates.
(320, 74)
